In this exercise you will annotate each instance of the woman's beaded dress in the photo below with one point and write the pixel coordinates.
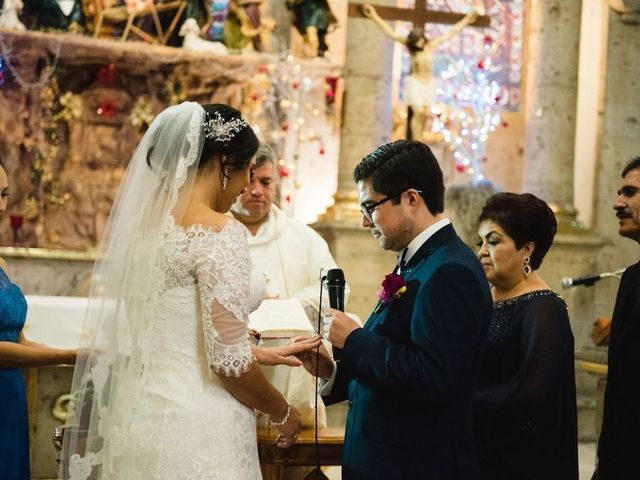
(525, 405)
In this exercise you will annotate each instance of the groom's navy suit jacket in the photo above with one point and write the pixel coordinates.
(411, 371)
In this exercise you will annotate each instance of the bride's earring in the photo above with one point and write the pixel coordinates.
(225, 178)
(527, 268)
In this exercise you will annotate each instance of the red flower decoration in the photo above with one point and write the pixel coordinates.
(460, 167)
(16, 220)
(106, 75)
(393, 286)
(321, 151)
(283, 171)
(107, 108)
(331, 86)
(284, 126)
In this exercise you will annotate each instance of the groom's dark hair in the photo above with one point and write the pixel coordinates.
(398, 166)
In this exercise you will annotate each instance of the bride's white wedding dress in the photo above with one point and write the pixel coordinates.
(177, 420)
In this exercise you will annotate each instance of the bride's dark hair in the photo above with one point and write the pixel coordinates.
(238, 150)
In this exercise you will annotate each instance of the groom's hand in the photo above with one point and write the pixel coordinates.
(317, 361)
(338, 326)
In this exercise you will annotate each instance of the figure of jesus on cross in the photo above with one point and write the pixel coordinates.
(420, 84)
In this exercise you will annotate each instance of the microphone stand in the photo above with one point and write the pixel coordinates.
(316, 473)
(589, 281)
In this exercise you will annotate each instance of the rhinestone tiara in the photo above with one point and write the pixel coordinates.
(218, 130)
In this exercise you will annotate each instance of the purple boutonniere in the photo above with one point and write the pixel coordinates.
(393, 287)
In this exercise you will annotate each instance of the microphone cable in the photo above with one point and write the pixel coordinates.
(315, 405)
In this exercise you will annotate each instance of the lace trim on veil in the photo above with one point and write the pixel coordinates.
(81, 467)
(181, 174)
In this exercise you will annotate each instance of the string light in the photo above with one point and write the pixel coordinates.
(478, 76)
(293, 105)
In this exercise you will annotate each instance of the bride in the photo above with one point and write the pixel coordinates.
(169, 388)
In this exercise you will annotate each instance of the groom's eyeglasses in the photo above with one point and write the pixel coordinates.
(367, 210)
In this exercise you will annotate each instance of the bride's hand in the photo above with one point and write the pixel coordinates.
(290, 430)
(316, 362)
(284, 355)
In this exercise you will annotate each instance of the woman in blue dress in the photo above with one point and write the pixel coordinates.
(17, 352)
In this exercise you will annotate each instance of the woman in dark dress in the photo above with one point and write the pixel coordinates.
(17, 352)
(525, 405)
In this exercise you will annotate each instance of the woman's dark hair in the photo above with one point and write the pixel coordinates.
(398, 166)
(525, 218)
(239, 150)
(2, 164)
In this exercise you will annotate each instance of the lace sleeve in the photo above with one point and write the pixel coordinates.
(222, 268)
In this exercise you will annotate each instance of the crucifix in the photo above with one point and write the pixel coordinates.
(366, 102)
(420, 85)
(420, 14)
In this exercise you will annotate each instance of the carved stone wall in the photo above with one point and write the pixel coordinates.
(75, 111)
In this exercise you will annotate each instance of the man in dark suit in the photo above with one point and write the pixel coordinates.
(618, 445)
(410, 372)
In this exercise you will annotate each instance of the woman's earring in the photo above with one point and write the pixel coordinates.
(225, 178)
(527, 268)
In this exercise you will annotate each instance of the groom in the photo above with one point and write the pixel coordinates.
(409, 374)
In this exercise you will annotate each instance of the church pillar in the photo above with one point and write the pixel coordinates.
(366, 111)
(619, 133)
(548, 165)
(548, 171)
(366, 124)
(620, 130)
(550, 103)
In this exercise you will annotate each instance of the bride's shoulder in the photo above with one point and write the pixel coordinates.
(211, 224)
(210, 220)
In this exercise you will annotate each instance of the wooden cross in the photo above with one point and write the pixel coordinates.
(419, 15)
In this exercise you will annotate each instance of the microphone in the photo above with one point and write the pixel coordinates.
(589, 280)
(335, 288)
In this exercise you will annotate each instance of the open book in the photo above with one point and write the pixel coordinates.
(280, 319)
(55, 321)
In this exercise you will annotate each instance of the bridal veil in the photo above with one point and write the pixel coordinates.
(126, 282)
